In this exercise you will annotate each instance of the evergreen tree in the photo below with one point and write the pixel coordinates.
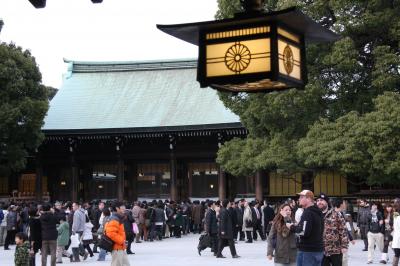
(23, 106)
(344, 79)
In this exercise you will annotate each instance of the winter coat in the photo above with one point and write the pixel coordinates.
(142, 216)
(87, 233)
(59, 214)
(63, 234)
(1, 216)
(232, 213)
(48, 222)
(211, 222)
(268, 214)
(21, 257)
(35, 233)
(135, 213)
(128, 221)
(310, 230)
(335, 233)
(196, 214)
(178, 221)
(239, 216)
(225, 224)
(114, 229)
(247, 219)
(79, 220)
(373, 223)
(396, 231)
(362, 215)
(96, 218)
(285, 245)
(159, 216)
(11, 221)
(4, 222)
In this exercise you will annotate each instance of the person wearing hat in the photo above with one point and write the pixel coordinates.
(335, 237)
(309, 232)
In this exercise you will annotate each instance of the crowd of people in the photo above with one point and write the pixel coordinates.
(311, 231)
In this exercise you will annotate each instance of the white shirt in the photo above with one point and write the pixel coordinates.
(298, 214)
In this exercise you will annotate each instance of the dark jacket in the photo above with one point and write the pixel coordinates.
(35, 233)
(128, 221)
(211, 222)
(239, 216)
(232, 213)
(373, 223)
(59, 214)
(269, 214)
(48, 222)
(362, 215)
(11, 220)
(310, 230)
(159, 216)
(225, 224)
(197, 214)
(96, 217)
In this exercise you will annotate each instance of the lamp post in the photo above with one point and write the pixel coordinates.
(254, 51)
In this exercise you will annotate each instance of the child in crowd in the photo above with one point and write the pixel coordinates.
(63, 239)
(21, 257)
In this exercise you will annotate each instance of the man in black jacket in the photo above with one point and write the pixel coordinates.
(268, 215)
(212, 227)
(309, 230)
(225, 230)
(48, 222)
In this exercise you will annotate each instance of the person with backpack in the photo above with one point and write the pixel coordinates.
(114, 229)
(282, 239)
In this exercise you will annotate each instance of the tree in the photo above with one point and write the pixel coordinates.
(365, 147)
(344, 79)
(23, 106)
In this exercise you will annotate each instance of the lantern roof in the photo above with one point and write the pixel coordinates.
(291, 17)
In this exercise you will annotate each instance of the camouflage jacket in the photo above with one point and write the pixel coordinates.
(22, 254)
(335, 234)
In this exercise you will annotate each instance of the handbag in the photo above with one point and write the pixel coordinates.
(106, 243)
(135, 228)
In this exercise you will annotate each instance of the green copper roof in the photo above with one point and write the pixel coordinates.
(149, 94)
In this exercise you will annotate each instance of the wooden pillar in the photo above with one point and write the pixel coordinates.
(260, 175)
(120, 178)
(174, 185)
(221, 184)
(131, 181)
(190, 181)
(39, 178)
(74, 178)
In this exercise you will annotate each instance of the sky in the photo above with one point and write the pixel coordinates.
(116, 30)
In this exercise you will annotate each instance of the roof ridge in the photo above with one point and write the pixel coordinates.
(121, 66)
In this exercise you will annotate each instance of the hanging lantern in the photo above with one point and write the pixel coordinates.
(254, 51)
